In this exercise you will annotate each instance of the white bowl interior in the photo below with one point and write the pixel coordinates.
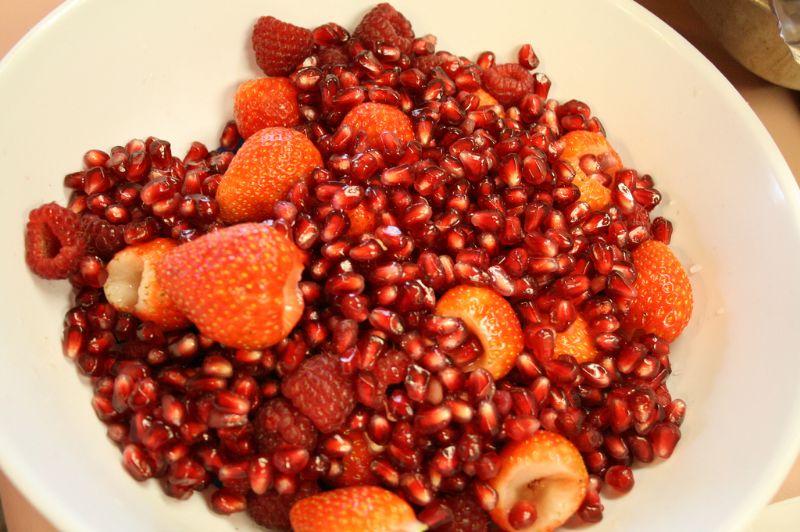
(96, 74)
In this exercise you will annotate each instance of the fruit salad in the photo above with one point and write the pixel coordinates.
(408, 290)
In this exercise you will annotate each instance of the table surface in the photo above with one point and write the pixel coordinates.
(778, 109)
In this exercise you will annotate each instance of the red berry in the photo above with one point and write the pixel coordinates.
(103, 238)
(468, 516)
(279, 425)
(272, 510)
(333, 55)
(508, 83)
(280, 46)
(385, 24)
(54, 243)
(319, 390)
(391, 368)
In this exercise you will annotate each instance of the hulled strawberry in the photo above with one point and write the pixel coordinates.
(490, 317)
(264, 169)
(134, 286)
(541, 483)
(355, 509)
(238, 284)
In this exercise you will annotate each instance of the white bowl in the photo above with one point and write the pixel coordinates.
(97, 73)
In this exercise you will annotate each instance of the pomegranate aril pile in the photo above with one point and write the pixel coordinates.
(480, 197)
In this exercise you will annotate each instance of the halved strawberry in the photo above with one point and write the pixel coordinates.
(545, 470)
(354, 509)
(664, 300)
(265, 168)
(265, 102)
(376, 118)
(133, 284)
(580, 143)
(490, 317)
(576, 341)
(238, 284)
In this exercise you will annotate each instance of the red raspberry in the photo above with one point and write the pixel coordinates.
(272, 510)
(385, 24)
(391, 368)
(319, 390)
(103, 238)
(639, 218)
(333, 55)
(54, 243)
(280, 46)
(279, 425)
(468, 516)
(508, 83)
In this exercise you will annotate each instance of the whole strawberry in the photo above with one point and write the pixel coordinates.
(238, 284)
(280, 46)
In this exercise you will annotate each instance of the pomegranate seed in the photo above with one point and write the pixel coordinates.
(137, 463)
(486, 495)
(664, 437)
(522, 514)
(620, 478)
(225, 502)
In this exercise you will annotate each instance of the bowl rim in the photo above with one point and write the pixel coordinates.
(22, 476)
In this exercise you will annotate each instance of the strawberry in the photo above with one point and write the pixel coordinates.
(545, 470)
(280, 46)
(238, 284)
(576, 341)
(264, 169)
(354, 509)
(663, 304)
(362, 220)
(490, 317)
(580, 143)
(265, 102)
(486, 99)
(375, 118)
(133, 284)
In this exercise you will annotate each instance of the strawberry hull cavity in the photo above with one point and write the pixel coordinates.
(407, 289)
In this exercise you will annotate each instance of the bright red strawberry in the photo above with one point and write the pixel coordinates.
(355, 509)
(238, 284)
(362, 220)
(134, 286)
(264, 169)
(375, 118)
(546, 470)
(272, 510)
(265, 102)
(576, 341)
(580, 143)
(385, 24)
(54, 243)
(664, 301)
(280, 46)
(319, 390)
(490, 317)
